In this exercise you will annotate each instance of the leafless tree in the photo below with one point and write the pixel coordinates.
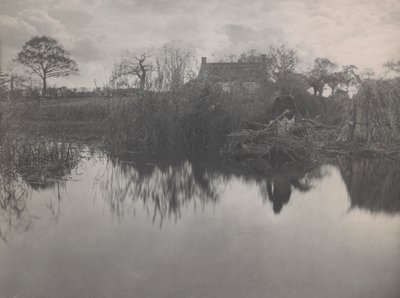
(139, 64)
(119, 79)
(175, 64)
(46, 58)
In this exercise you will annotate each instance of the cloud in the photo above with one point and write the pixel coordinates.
(72, 19)
(244, 36)
(240, 34)
(86, 50)
(362, 32)
(15, 31)
(43, 22)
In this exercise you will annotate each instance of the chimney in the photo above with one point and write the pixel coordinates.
(203, 60)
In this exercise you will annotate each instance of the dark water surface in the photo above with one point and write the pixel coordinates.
(110, 228)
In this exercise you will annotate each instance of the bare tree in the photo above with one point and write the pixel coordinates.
(47, 59)
(175, 64)
(12, 79)
(119, 79)
(138, 64)
(158, 82)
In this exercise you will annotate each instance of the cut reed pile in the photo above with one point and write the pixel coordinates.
(373, 113)
(299, 145)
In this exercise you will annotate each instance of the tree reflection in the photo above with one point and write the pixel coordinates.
(163, 190)
(168, 187)
(372, 184)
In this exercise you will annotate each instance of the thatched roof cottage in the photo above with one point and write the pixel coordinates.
(249, 75)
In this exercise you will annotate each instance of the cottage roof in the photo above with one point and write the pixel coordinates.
(232, 71)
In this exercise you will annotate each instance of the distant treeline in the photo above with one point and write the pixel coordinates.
(169, 68)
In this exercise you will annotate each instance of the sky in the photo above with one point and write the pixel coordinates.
(365, 33)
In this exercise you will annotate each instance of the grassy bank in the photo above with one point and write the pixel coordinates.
(201, 117)
(196, 117)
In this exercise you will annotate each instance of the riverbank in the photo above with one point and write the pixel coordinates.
(204, 119)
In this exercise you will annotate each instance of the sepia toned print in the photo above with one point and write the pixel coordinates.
(199, 149)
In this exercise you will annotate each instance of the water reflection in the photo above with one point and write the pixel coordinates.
(163, 190)
(28, 167)
(277, 185)
(13, 199)
(278, 189)
(372, 185)
(313, 248)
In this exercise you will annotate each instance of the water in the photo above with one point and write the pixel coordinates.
(104, 227)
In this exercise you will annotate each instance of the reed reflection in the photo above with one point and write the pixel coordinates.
(31, 166)
(372, 184)
(164, 190)
(14, 195)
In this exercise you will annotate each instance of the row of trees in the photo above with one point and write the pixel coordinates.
(170, 66)
(323, 73)
(166, 68)
(283, 62)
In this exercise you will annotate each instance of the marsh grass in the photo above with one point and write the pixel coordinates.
(197, 116)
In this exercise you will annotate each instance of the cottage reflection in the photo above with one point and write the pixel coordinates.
(372, 184)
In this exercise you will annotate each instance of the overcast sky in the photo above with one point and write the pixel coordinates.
(361, 32)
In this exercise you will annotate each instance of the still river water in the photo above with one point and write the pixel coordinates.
(118, 227)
